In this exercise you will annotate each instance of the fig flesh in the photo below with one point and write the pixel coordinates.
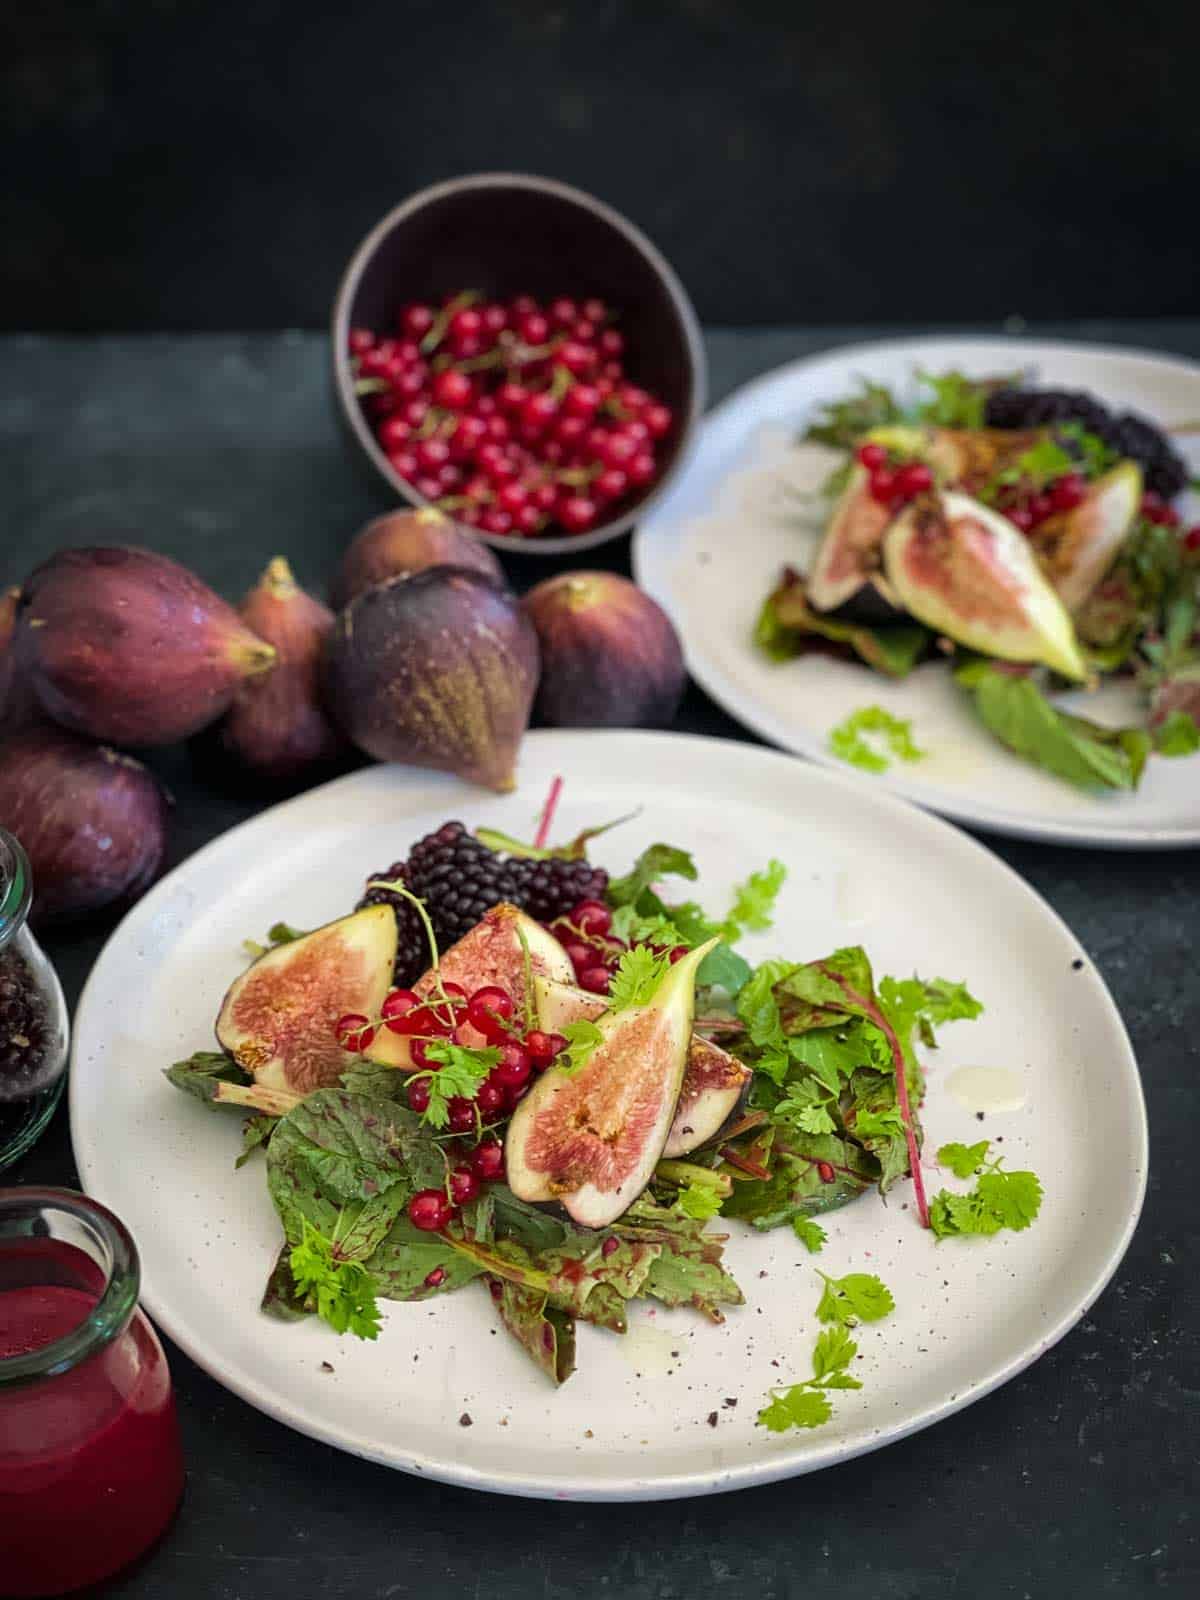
(966, 571)
(714, 1082)
(404, 542)
(93, 822)
(610, 655)
(1076, 548)
(590, 1137)
(492, 952)
(128, 646)
(850, 555)
(277, 1020)
(437, 670)
(276, 726)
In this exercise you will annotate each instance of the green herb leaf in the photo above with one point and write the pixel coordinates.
(659, 861)
(699, 1200)
(1177, 735)
(797, 1407)
(638, 975)
(343, 1290)
(256, 1131)
(858, 738)
(582, 1038)
(999, 1199)
(1082, 752)
(202, 1071)
(754, 902)
(964, 1160)
(723, 968)
(810, 1233)
(833, 1350)
(858, 1297)
(841, 423)
(459, 1074)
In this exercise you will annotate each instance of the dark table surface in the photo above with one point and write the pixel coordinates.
(1079, 1478)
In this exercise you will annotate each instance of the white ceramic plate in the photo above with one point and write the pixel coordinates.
(631, 1423)
(744, 506)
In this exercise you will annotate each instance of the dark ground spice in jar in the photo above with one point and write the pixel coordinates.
(25, 1030)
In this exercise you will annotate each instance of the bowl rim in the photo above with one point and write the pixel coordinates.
(693, 340)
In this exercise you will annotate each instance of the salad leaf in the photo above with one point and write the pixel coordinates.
(850, 741)
(202, 1071)
(407, 1256)
(723, 968)
(787, 625)
(687, 1268)
(256, 1131)
(964, 1160)
(1178, 733)
(754, 902)
(797, 1407)
(544, 1331)
(336, 1147)
(659, 861)
(810, 1234)
(841, 423)
(1082, 752)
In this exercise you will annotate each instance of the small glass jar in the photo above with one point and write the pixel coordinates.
(90, 1466)
(33, 1014)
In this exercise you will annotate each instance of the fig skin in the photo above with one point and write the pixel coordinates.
(18, 708)
(437, 670)
(93, 822)
(610, 655)
(404, 542)
(276, 727)
(129, 647)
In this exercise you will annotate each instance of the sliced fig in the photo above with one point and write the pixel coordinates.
(850, 554)
(965, 570)
(492, 952)
(590, 1136)
(1076, 548)
(713, 1080)
(277, 1020)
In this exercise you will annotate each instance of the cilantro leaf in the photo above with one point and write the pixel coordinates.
(699, 1200)
(1014, 1197)
(833, 1350)
(858, 1297)
(849, 741)
(344, 1291)
(1177, 735)
(807, 1106)
(459, 1073)
(754, 902)
(810, 1233)
(582, 1038)
(797, 1407)
(638, 975)
(964, 1160)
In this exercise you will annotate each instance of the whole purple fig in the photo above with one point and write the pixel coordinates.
(610, 655)
(276, 726)
(128, 646)
(437, 670)
(93, 822)
(404, 542)
(18, 708)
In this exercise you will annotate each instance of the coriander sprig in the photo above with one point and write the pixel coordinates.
(999, 1199)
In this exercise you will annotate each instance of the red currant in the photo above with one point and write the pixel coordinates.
(404, 463)
(416, 320)
(487, 1161)
(512, 396)
(595, 979)
(570, 431)
(577, 513)
(913, 479)
(490, 1098)
(533, 328)
(538, 412)
(493, 520)
(514, 1067)
(1068, 492)
(1040, 507)
(591, 916)
(527, 520)
(540, 1046)
(1021, 517)
(466, 324)
(619, 450)
(563, 311)
(489, 1011)
(610, 485)
(361, 340)
(394, 433)
(464, 1185)
(429, 1210)
(641, 469)
(452, 389)
(1191, 539)
(433, 453)
(883, 485)
(658, 419)
(354, 1032)
(871, 456)
(461, 1114)
(581, 400)
(495, 319)
(416, 1092)
(396, 1008)
(575, 357)
(612, 342)
(594, 310)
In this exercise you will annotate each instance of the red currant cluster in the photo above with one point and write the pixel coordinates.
(893, 485)
(1155, 509)
(1027, 506)
(585, 933)
(514, 417)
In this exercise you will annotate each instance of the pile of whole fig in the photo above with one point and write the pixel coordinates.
(431, 660)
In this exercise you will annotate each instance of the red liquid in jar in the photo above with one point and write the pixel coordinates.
(90, 1465)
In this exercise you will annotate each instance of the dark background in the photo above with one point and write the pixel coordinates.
(200, 164)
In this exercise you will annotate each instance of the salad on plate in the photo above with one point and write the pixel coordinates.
(506, 1068)
(1028, 537)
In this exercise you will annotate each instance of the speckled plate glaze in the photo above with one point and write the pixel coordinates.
(635, 1422)
(746, 504)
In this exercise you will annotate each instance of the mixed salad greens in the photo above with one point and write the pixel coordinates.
(1027, 538)
(413, 1137)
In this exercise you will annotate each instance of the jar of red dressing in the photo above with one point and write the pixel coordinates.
(90, 1466)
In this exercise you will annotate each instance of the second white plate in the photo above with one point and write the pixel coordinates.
(713, 549)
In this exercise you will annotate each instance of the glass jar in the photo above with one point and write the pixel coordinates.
(90, 1466)
(33, 1014)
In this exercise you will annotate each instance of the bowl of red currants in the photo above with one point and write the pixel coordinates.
(516, 353)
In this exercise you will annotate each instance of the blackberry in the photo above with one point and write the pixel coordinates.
(552, 887)
(1163, 467)
(459, 878)
(24, 1029)
(412, 944)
